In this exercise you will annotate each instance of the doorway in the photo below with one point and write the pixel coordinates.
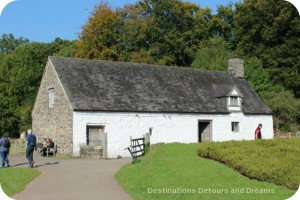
(95, 135)
(204, 131)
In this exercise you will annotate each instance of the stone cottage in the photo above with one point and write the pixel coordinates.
(79, 100)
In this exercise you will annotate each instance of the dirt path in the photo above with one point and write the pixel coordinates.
(73, 179)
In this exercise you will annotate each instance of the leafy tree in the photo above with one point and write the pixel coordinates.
(285, 107)
(286, 110)
(100, 37)
(222, 22)
(21, 72)
(175, 28)
(8, 43)
(269, 30)
(64, 48)
(213, 55)
(257, 76)
(163, 32)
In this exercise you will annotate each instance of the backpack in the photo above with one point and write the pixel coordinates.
(6, 143)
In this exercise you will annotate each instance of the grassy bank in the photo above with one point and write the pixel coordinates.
(275, 161)
(14, 180)
(175, 171)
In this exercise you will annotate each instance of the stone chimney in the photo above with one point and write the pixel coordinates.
(236, 66)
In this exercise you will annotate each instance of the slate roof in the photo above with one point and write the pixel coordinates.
(129, 87)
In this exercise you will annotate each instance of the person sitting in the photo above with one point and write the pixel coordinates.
(48, 143)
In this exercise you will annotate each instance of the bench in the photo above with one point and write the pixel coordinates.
(52, 150)
(49, 150)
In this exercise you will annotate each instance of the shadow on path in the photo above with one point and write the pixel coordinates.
(40, 165)
(45, 164)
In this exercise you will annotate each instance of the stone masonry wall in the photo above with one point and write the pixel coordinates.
(55, 122)
(236, 66)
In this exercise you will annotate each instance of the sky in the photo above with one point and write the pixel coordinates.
(45, 20)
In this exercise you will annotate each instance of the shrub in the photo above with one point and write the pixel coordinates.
(274, 161)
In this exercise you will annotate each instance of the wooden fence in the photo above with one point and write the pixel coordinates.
(17, 147)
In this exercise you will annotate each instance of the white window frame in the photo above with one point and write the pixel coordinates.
(234, 100)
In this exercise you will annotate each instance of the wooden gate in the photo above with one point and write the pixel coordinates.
(137, 148)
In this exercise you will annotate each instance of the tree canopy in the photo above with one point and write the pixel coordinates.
(270, 30)
(21, 69)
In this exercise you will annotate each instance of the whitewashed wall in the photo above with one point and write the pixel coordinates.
(166, 128)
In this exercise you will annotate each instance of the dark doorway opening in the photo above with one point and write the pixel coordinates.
(204, 131)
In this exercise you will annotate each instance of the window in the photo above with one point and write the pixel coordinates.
(235, 126)
(234, 101)
(95, 135)
(51, 96)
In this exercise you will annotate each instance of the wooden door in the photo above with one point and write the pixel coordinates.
(95, 136)
(204, 128)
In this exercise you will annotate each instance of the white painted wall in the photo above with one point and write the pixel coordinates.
(167, 128)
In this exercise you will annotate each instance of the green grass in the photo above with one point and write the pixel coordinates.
(175, 171)
(275, 161)
(14, 180)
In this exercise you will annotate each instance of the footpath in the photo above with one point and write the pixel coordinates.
(72, 179)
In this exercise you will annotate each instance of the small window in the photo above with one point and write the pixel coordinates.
(235, 126)
(234, 101)
(51, 96)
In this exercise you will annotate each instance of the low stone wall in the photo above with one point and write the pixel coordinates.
(87, 151)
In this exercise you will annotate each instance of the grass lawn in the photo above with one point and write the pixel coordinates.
(175, 171)
(14, 180)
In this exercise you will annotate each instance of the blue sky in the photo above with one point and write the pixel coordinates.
(44, 20)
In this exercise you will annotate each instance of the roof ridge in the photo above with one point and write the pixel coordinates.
(139, 64)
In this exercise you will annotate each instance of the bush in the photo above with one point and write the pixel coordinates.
(275, 161)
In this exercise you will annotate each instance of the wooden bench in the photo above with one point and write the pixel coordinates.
(52, 150)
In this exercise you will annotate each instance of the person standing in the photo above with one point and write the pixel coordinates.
(31, 146)
(258, 132)
(4, 149)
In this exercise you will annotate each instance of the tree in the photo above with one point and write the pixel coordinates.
(213, 55)
(162, 32)
(222, 22)
(21, 71)
(257, 76)
(100, 37)
(284, 105)
(8, 43)
(269, 30)
(286, 110)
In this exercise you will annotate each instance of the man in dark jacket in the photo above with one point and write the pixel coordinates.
(31, 145)
(4, 148)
